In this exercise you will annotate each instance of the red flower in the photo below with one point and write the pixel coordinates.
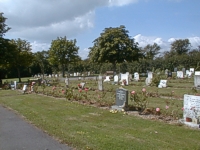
(143, 90)
(157, 109)
(86, 89)
(80, 90)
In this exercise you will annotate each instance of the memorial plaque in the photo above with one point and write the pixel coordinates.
(191, 107)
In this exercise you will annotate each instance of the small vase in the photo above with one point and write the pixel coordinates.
(188, 119)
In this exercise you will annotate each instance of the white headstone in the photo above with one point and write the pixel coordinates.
(136, 76)
(188, 73)
(150, 75)
(148, 81)
(49, 76)
(116, 79)
(162, 84)
(180, 74)
(197, 81)
(24, 88)
(56, 75)
(15, 83)
(192, 70)
(74, 74)
(100, 83)
(107, 79)
(88, 73)
(124, 77)
(197, 73)
(191, 107)
(67, 82)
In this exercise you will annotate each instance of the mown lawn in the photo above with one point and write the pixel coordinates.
(87, 127)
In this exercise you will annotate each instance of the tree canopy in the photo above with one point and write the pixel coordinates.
(62, 52)
(180, 46)
(3, 26)
(114, 46)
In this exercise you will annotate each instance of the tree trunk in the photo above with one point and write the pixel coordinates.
(63, 71)
(18, 72)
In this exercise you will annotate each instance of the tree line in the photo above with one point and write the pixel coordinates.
(113, 50)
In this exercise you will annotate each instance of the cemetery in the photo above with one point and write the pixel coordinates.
(157, 99)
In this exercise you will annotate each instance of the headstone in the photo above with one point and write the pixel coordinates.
(82, 85)
(148, 81)
(67, 82)
(88, 73)
(192, 108)
(169, 75)
(124, 77)
(56, 75)
(116, 79)
(49, 76)
(15, 83)
(180, 74)
(166, 71)
(130, 77)
(162, 84)
(183, 69)
(24, 87)
(192, 70)
(197, 81)
(121, 99)
(136, 76)
(188, 73)
(107, 79)
(100, 83)
(150, 75)
(175, 69)
(197, 73)
(74, 74)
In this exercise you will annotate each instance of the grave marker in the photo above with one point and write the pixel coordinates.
(67, 82)
(197, 73)
(136, 76)
(100, 83)
(180, 74)
(192, 108)
(124, 77)
(162, 84)
(197, 81)
(116, 79)
(121, 99)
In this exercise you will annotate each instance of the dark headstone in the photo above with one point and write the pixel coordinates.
(121, 99)
(169, 74)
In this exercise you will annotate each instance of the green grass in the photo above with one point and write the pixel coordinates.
(87, 127)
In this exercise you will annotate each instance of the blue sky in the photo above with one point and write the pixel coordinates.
(148, 21)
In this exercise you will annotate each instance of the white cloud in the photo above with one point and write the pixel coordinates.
(195, 41)
(84, 53)
(121, 2)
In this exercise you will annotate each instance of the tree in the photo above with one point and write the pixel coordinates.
(3, 26)
(21, 56)
(63, 52)
(180, 46)
(114, 46)
(41, 59)
(150, 51)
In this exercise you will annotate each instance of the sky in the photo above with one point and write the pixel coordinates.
(148, 21)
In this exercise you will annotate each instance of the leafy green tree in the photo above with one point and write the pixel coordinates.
(114, 46)
(180, 46)
(41, 59)
(3, 26)
(63, 52)
(150, 51)
(22, 56)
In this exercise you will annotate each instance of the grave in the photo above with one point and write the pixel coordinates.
(191, 111)
(107, 79)
(192, 70)
(148, 81)
(100, 83)
(166, 71)
(197, 81)
(67, 82)
(124, 77)
(188, 73)
(24, 88)
(150, 75)
(136, 76)
(81, 85)
(169, 75)
(175, 69)
(116, 79)
(179, 74)
(197, 73)
(121, 99)
(162, 84)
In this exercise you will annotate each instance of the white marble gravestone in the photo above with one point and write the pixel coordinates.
(121, 99)
(192, 108)
(124, 77)
(150, 75)
(24, 88)
(162, 84)
(180, 74)
(100, 83)
(197, 81)
(136, 76)
(197, 73)
(15, 83)
(75, 74)
(116, 79)
(188, 73)
(107, 79)
(148, 81)
(192, 70)
(67, 82)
